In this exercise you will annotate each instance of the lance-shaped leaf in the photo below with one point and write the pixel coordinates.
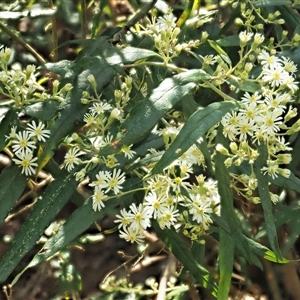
(47, 207)
(145, 115)
(179, 248)
(264, 195)
(77, 223)
(12, 185)
(194, 128)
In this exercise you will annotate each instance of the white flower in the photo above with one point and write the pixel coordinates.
(26, 161)
(165, 22)
(275, 76)
(98, 198)
(71, 158)
(271, 122)
(169, 218)
(22, 143)
(140, 217)
(254, 98)
(268, 60)
(245, 36)
(131, 235)
(124, 218)
(289, 65)
(200, 209)
(100, 108)
(115, 180)
(156, 205)
(38, 131)
(101, 181)
(12, 134)
(127, 151)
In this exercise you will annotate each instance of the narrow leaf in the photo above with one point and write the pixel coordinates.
(6, 124)
(194, 128)
(264, 194)
(47, 207)
(149, 111)
(10, 178)
(179, 248)
(77, 223)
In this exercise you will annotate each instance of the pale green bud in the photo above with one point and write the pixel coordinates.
(220, 148)
(284, 172)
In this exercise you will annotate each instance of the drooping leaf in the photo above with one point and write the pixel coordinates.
(10, 178)
(46, 208)
(81, 219)
(194, 128)
(264, 194)
(179, 248)
(145, 115)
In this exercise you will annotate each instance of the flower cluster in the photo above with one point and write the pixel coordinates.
(172, 199)
(25, 142)
(263, 118)
(106, 181)
(165, 33)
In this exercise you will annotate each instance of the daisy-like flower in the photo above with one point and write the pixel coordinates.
(89, 119)
(200, 210)
(26, 161)
(254, 98)
(124, 218)
(101, 181)
(288, 65)
(275, 76)
(127, 151)
(271, 122)
(140, 217)
(272, 169)
(98, 198)
(167, 21)
(131, 235)
(115, 180)
(169, 218)
(156, 205)
(38, 131)
(71, 159)
(100, 108)
(22, 143)
(268, 60)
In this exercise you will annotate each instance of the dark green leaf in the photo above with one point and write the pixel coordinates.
(12, 185)
(264, 194)
(54, 198)
(179, 248)
(77, 223)
(194, 128)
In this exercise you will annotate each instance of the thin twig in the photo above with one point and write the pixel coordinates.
(25, 45)
(54, 52)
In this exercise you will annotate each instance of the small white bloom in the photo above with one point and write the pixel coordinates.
(22, 143)
(100, 108)
(71, 159)
(127, 151)
(27, 162)
(131, 235)
(140, 217)
(98, 198)
(38, 131)
(124, 218)
(115, 180)
(101, 181)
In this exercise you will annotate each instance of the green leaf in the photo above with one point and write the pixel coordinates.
(12, 185)
(290, 16)
(266, 3)
(47, 207)
(43, 110)
(226, 261)
(229, 41)
(263, 189)
(194, 128)
(145, 115)
(80, 220)
(10, 119)
(292, 182)
(247, 85)
(179, 248)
